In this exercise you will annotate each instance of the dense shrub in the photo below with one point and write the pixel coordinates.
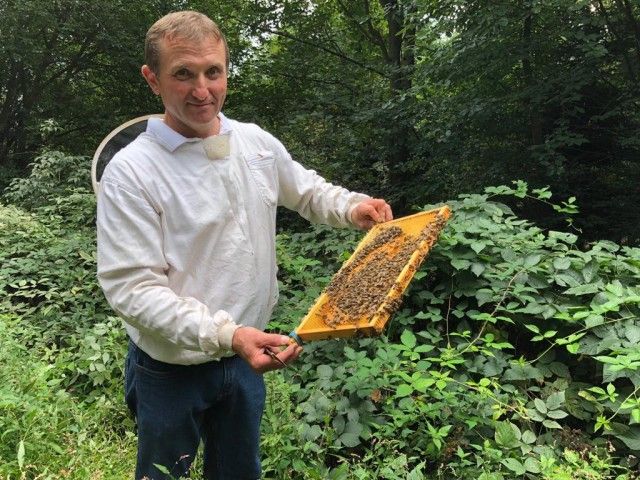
(514, 355)
(514, 344)
(46, 431)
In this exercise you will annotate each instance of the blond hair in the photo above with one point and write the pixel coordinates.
(188, 25)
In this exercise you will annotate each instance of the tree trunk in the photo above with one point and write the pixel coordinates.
(401, 59)
(534, 114)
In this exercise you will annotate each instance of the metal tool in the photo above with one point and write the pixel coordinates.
(275, 357)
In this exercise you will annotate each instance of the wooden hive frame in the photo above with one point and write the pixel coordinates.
(423, 227)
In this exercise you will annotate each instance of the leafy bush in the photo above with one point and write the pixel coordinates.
(54, 176)
(514, 356)
(46, 432)
(510, 341)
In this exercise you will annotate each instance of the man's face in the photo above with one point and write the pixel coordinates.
(192, 81)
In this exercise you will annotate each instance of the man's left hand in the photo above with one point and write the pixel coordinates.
(369, 212)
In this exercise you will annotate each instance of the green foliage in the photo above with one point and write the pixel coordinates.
(46, 431)
(514, 355)
(53, 175)
(500, 341)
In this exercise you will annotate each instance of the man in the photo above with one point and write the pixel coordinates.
(186, 255)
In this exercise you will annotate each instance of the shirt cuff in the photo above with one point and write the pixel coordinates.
(356, 200)
(216, 334)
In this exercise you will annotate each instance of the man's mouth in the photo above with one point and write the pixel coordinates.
(199, 105)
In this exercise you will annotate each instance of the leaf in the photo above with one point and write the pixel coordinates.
(561, 263)
(632, 332)
(528, 437)
(408, 339)
(349, 439)
(586, 289)
(557, 414)
(573, 348)
(532, 260)
(589, 271)
(569, 238)
(507, 434)
(404, 390)
(478, 246)
(325, 371)
(555, 400)
(21, 452)
(551, 424)
(162, 468)
(477, 268)
(593, 321)
(484, 295)
(460, 263)
(631, 437)
(514, 465)
(532, 465)
(540, 405)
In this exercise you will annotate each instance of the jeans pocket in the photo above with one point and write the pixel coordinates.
(146, 365)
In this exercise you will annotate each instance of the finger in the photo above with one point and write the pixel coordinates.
(290, 353)
(275, 341)
(388, 214)
(374, 214)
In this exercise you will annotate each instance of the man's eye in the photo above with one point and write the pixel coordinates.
(182, 74)
(213, 72)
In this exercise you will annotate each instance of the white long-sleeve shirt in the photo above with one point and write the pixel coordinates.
(186, 245)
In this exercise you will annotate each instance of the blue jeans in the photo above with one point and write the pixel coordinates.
(176, 406)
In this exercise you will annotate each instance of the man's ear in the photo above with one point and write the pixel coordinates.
(151, 79)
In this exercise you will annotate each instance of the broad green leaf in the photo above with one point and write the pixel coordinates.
(616, 288)
(589, 271)
(528, 437)
(478, 246)
(561, 263)
(349, 439)
(404, 390)
(555, 400)
(551, 424)
(632, 332)
(532, 465)
(325, 371)
(586, 289)
(573, 348)
(507, 434)
(532, 260)
(460, 263)
(477, 268)
(540, 405)
(484, 295)
(631, 437)
(408, 339)
(593, 321)
(514, 465)
(557, 414)
(569, 238)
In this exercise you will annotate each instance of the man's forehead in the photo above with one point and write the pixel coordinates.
(173, 43)
(174, 48)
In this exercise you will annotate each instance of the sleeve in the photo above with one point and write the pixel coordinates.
(132, 273)
(310, 195)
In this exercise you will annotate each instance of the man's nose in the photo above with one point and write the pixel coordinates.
(200, 90)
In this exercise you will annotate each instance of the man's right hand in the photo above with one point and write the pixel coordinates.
(250, 344)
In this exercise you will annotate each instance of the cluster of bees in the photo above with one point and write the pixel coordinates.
(370, 281)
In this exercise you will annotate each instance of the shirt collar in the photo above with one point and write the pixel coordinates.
(171, 139)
